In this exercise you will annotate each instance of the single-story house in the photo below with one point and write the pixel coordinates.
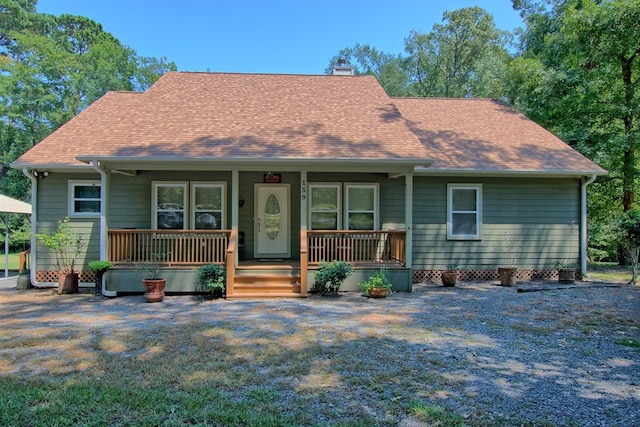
(268, 175)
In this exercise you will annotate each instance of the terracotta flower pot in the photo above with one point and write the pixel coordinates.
(378, 293)
(154, 289)
(67, 283)
(507, 276)
(449, 278)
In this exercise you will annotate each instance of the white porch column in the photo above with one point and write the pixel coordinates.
(408, 218)
(235, 207)
(304, 195)
(105, 183)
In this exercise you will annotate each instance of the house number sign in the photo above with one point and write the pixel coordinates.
(272, 178)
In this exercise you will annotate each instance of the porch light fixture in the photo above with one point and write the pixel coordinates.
(241, 201)
(42, 174)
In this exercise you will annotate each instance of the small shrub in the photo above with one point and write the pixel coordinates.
(212, 278)
(330, 276)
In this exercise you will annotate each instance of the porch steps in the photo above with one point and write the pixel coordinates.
(266, 283)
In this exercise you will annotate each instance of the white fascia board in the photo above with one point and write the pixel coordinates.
(507, 172)
(281, 164)
(53, 167)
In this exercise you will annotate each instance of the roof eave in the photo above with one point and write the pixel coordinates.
(244, 163)
(550, 173)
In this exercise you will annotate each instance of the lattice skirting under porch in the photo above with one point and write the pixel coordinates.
(43, 276)
(423, 276)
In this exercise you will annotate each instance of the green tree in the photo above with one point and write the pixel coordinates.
(628, 228)
(577, 75)
(390, 70)
(466, 56)
(51, 68)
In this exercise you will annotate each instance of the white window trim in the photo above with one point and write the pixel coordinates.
(450, 212)
(376, 202)
(338, 187)
(154, 201)
(72, 184)
(223, 201)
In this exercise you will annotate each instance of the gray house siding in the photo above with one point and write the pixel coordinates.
(532, 223)
(130, 196)
(391, 191)
(53, 203)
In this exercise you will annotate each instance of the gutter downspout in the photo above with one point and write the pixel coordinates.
(583, 226)
(34, 222)
(104, 187)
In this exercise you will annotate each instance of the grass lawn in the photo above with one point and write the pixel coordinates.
(258, 364)
(609, 272)
(14, 261)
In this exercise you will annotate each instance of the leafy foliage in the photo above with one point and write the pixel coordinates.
(330, 276)
(100, 266)
(65, 244)
(212, 278)
(379, 280)
(52, 68)
(465, 56)
(577, 74)
(629, 234)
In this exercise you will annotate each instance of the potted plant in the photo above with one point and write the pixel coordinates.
(450, 275)
(66, 245)
(508, 274)
(566, 273)
(213, 280)
(99, 267)
(378, 285)
(152, 281)
(330, 276)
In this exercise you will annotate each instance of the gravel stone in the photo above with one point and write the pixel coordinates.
(549, 354)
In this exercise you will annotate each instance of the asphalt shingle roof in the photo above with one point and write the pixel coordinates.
(487, 135)
(238, 115)
(268, 116)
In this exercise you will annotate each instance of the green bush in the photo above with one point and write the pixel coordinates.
(330, 276)
(213, 280)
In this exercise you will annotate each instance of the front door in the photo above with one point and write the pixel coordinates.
(272, 221)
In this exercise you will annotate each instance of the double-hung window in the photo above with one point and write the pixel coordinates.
(362, 206)
(84, 198)
(464, 211)
(207, 200)
(169, 205)
(180, 205)
(356, 209)
(325, 206)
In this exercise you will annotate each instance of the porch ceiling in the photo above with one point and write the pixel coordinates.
(245, 164)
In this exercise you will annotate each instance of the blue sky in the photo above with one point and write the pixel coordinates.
(277, 36)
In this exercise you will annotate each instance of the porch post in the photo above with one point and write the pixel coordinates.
(235, 207)
(408, 219)
(105, 184)
(304, 256)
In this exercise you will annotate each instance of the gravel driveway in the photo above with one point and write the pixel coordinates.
(564, 356)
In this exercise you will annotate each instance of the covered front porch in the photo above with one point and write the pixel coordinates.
(270, 230)
(180, 252)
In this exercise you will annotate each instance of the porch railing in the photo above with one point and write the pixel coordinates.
(357, 247)
(173, 248)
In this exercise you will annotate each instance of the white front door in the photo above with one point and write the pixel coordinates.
(272, 221)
